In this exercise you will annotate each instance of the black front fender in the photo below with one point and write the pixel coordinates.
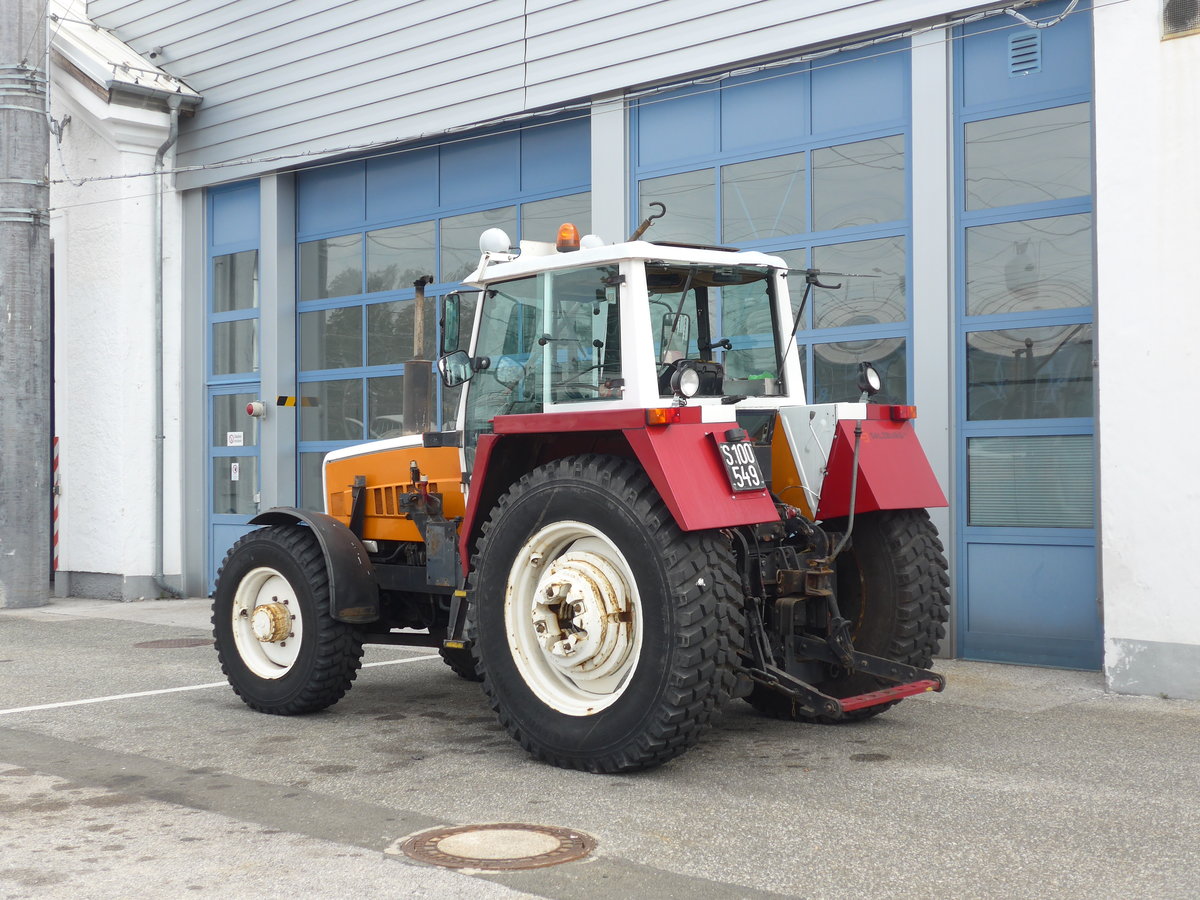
(353, 588)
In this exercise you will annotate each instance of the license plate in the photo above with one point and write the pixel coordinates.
(741, 465)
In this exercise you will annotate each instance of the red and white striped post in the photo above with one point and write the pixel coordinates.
(56, 490)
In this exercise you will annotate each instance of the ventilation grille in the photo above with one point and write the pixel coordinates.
(1024, 53)
(1181, 17)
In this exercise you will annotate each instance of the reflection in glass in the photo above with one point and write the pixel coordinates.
(1032, 481)
(331, 338)
(835, 370)
(1030, 157)
(747, 320)
(540, 220)
(396, 257)
(1030, 373)
(331, 267)
(1037, 264)
(390, 332)
(235, 482)
(311, 496)
(460, 239)
(232, 427)
(235, 347)
(690, 198)
(859, 184)
(872, 279)
(450, 401)
(385, 406)
(235, 281)
(332, 410)
(764, 198)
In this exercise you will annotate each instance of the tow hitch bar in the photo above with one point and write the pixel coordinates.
(910, 680)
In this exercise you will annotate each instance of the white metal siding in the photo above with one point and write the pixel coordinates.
(305, 76)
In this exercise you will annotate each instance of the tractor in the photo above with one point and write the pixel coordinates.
(636, 519)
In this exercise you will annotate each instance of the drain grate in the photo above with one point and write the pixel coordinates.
(174, 643)
(497, 847)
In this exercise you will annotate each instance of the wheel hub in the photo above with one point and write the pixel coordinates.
(582, 616)
(271, 622)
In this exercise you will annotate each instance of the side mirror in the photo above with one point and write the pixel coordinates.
(451, 311)
(455, 368)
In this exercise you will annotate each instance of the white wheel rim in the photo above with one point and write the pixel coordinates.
(574, 618)
(267, 625)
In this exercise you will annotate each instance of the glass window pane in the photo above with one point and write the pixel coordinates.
(835, 370)
(332, 410)
(584, 350)
(510, 325)
(1033, 481)
(747, 320)
(1030, 157)
(1030, 373)
(540, 220)
(764, 198)
(872, 279)
(235, 482)
(235, 347)
(859, 184)
(385, 406)
(311, 496)
(396, 257)
(232, 427)
(331, 338)
(331, 267)
(235, 281)
(1025, 266)
(460, 239)
(390, 332)
(690, 199)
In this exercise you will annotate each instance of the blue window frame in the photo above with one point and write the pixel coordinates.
(809, 162)
(231, 364)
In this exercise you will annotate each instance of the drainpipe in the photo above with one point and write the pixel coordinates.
(173, 103)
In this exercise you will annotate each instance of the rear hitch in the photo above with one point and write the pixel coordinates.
(838, 650)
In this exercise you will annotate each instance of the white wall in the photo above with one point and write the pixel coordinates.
(1148, 192)
(104, 345)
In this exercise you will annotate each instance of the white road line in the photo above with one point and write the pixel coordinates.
(190, 687)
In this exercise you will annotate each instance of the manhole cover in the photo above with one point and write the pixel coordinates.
(174, 643)
(497, 847)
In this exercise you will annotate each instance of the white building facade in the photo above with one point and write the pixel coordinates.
(1009, 189)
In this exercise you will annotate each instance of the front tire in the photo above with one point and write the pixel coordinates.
(602, 630)
(893, 587)
(277, 643)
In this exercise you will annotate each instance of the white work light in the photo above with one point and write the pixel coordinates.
(494, 240)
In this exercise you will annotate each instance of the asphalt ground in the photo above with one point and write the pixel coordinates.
(1015, 782)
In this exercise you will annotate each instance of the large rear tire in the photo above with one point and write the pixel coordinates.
(602, 630)
(278, 645)
(893, 587)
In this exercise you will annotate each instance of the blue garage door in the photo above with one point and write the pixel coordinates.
(810, 162)
(366, 230)
(1026, 578)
